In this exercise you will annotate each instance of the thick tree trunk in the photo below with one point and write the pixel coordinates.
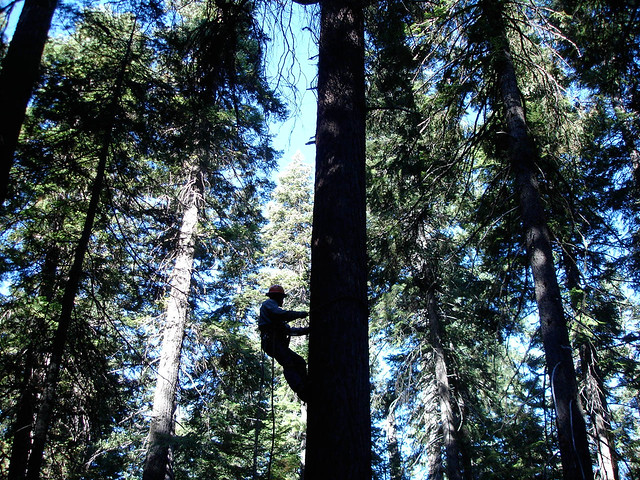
(572, 433)
(339, 430)
(157, 464)
(18, 77)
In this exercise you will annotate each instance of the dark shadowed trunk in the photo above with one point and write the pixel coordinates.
(157, 464)
(339, 430)
(572, 433)
(18, 77)
(45, 411)
(26, 407)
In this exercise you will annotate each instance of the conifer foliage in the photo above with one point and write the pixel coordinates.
(467, 248)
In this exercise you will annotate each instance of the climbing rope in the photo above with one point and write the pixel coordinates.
(273, 423)
(273, 419)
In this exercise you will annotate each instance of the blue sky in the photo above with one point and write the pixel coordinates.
(299, 67)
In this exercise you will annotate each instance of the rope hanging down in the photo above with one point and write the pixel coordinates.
(259, 419)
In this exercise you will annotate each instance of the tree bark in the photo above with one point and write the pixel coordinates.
(448, 419)
(593, 387)
(58, 345)
(20, 68)
(572, 434)
(339, 430)
(26, 408)
(45, 411)
(157, 463)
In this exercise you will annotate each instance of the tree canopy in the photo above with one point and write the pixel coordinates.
(466, 241)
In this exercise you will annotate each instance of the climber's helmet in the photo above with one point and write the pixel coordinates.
(276, 291)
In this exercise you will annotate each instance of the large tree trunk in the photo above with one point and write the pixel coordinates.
(157, 464)
(339, 430)
(572, 433)
(18, 77)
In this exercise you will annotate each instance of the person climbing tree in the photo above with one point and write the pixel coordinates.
(275, 334)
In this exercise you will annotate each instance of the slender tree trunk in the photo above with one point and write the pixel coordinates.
(52, 377)
(593, 388)
(448, 418)
(572, 433)
(18, 77)
(396, 472)
(45, 411)
(26, 408)
(339, 429)
(157, 464)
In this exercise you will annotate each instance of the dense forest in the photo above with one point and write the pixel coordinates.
(466, 240)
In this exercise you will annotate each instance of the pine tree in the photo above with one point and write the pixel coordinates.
(523, 158)
(58, 347)
(18, 77)
(226, 142)
(338, 412)
(177, 313)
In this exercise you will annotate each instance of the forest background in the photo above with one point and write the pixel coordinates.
(142, 226)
